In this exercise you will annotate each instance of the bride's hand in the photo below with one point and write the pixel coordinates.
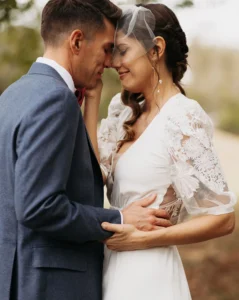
(126, 237)
(94, 93)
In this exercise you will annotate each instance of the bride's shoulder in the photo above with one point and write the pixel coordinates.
(117, 108)
(189, 108)
(186, 115)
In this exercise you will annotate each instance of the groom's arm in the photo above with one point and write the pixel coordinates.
(45, 144)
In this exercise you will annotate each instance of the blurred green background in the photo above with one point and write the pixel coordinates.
(211, 27)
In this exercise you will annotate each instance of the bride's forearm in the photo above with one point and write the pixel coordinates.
(91, 112)
(194, 231)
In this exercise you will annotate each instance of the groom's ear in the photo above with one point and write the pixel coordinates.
(76, 39)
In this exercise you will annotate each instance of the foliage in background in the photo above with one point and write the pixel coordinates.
(180, 4)
(214, 81)
(19, 47)
(229, 118)
(185, 3)
(10, 8)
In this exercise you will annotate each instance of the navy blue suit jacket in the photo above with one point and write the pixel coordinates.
(51, 194)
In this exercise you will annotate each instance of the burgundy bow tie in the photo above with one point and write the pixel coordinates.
(80, 95)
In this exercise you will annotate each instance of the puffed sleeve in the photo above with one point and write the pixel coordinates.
(196, 173)
(109, 134)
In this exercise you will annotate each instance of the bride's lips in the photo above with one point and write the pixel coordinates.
(123, 74)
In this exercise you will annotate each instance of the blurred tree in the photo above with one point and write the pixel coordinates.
(180, 4)
(19, 47)
(10, 8)
(144, 1)
(185, 3)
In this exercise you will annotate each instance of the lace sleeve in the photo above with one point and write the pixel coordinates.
(195, 169)
(108, 134)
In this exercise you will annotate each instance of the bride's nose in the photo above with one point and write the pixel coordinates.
(116, 61)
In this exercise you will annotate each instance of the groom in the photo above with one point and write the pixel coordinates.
(51, 189)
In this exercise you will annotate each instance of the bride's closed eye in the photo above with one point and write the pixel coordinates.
(122, 52)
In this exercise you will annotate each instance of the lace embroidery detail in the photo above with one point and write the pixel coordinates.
(191, 148)
(173, 209)
(195, 168)
(108, 134)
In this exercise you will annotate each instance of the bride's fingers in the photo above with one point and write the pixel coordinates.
(112, 227)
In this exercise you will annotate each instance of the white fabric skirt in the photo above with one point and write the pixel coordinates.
(144, 275)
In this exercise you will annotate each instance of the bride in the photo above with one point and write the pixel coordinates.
(155, 137)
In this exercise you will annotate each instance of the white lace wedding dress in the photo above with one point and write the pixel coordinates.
(175, 149)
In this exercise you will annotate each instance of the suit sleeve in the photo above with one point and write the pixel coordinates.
(44, 145)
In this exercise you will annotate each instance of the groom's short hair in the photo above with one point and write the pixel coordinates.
(63, 16)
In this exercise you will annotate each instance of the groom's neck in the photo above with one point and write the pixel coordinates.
(60, 56)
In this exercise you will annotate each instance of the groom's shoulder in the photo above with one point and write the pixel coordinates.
(28, 95)
(31, 89)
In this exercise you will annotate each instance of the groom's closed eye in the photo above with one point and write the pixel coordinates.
(109, 49)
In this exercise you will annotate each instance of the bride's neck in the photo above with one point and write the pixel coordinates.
(156, 95)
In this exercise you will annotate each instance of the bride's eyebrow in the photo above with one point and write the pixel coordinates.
(121, 44)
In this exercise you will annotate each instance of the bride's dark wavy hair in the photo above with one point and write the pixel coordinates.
(176, 53)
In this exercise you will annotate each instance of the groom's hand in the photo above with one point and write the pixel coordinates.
(126, 237)
(144, 218)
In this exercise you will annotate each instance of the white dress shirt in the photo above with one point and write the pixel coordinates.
(62, 71)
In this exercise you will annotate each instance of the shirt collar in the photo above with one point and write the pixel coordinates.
(62, 71)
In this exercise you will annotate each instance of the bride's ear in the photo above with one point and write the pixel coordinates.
(158, 51)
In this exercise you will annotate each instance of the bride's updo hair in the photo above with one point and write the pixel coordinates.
(168, 27)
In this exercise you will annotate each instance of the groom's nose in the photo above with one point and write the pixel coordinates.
(108, 61)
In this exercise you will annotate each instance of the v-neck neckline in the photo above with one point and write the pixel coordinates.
(123, 154)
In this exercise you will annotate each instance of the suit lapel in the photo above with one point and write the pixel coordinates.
(93, 154)
(43, 69)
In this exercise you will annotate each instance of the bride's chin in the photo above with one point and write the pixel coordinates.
(131, 89)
